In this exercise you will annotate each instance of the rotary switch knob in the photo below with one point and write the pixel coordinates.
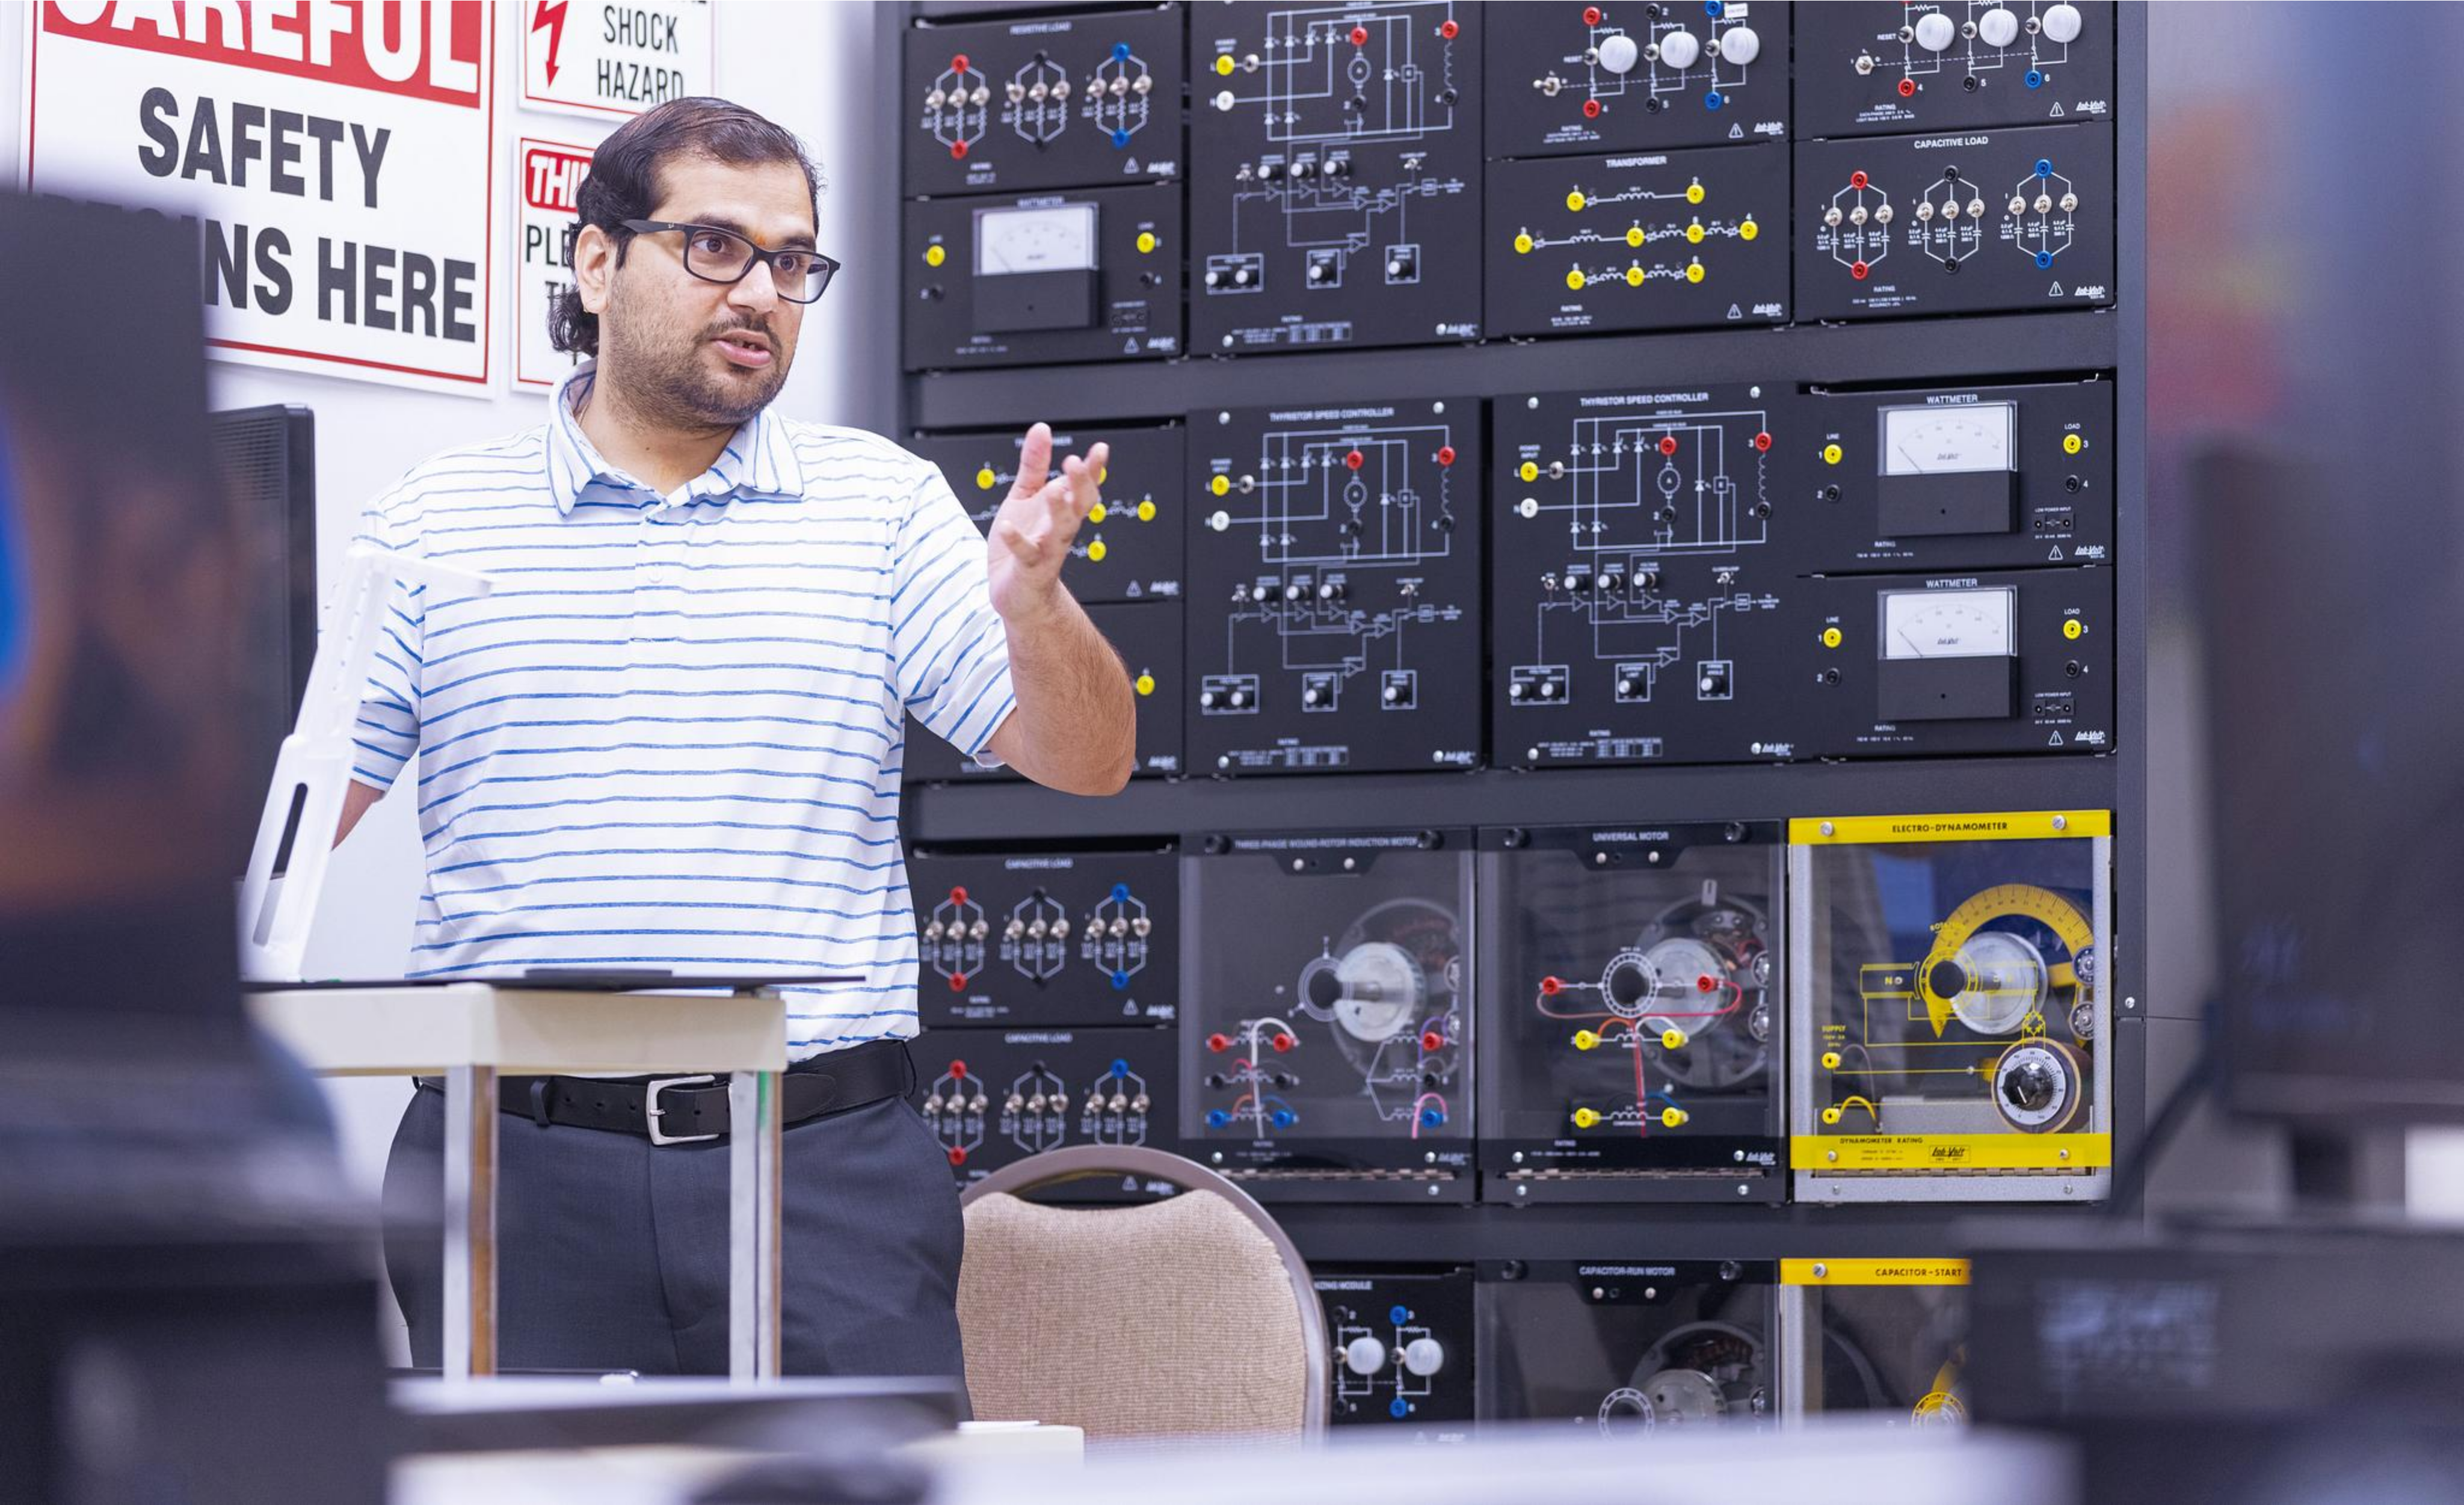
(1680, 50)
(2030, 1086)
(1617, 53)
(1364, 1356)
(2064, 24)
(1424, 1355)
(1740, 45)
(1997, 27)
(1935, 31)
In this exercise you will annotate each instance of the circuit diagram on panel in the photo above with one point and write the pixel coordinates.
(1662, 65)
(1326, 82)
(1630, 224)
(1634, 495)
(1036, 100)
(1348, 522)
(1974, 40)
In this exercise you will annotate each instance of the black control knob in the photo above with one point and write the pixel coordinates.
(1947, 979)
(2031, 1086)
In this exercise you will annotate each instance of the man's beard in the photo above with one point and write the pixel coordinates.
(673, 389)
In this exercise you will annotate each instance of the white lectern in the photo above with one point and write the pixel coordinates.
(470, 1032)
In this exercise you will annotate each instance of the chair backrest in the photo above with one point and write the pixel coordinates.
(1190, 1316)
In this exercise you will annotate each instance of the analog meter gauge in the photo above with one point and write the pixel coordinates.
(1949, 440)
(1060, 238)
(1949, 655)
(1037, 268)
(1947, 625)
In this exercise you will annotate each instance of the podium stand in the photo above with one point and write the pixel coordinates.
(471, 1032)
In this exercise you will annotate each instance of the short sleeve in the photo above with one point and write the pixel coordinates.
(386, 733)
(950, 651)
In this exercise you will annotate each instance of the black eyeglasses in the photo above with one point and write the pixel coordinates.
(722, 255)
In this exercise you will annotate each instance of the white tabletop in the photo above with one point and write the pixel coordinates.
(384, 1031)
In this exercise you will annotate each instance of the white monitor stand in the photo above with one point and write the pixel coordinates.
(295, 837)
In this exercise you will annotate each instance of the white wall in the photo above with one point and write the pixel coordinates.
(807, 66)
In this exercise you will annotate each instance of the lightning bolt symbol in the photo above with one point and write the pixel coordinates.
(550, 16)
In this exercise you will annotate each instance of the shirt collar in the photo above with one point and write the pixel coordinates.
(760, 461)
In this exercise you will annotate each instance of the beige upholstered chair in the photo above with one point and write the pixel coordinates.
(1184, 1318)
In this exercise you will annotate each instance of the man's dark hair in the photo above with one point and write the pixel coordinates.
(624, 181)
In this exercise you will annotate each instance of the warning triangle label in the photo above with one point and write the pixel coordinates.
(2057, 111)
(2055, 292)
(1737, 132)
(1130, 346)
(1131, 166)
(1132, 591)
(1735, 311)
(2057, 553)
(2055, 741)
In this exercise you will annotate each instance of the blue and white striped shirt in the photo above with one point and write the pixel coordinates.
(672, 736)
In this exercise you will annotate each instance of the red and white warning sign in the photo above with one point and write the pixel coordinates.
(337, 157)
(602, 58)
(548, 176)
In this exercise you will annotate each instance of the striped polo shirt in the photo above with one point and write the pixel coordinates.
(671, 734)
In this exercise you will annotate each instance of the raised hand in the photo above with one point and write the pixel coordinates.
(1038, 521)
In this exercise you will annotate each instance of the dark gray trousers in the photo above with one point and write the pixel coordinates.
(613, 1251)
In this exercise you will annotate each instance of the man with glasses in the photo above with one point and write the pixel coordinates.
(669, 739)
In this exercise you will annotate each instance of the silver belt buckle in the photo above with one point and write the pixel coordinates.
(652, 1112)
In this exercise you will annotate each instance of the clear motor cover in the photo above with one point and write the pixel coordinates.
(1630, 1348)
(1952, 1004)
(1636, 976)
(1326, 1036)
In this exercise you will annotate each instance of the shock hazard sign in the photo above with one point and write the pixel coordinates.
(607, 59)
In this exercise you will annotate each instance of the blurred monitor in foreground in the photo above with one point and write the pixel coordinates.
(2333, 630)
(186, 1311)
(127, 573)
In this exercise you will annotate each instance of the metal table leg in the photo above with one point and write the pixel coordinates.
(754, 1236)
(469, 1222)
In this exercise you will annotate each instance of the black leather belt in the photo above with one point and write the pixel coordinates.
(684, 1110)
